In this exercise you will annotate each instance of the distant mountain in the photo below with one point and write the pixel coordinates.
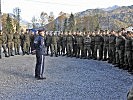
(114, 17)
(111, 8)
(109, 18)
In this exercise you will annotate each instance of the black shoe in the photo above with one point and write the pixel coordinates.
(12, 55)
(0, 57)
(6, 56)
(41, 78)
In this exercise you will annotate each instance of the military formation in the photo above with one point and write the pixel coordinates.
(13, 42)
(115, 47)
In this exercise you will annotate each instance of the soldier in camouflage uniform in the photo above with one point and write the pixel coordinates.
(16, 38)
(59, 44)
(10, 43)
(3, 40)
(105, 45)
(54, 44)
(79, 40)
(27, 43)
(69, 41)
(98, 46)
(92, 35)
(120, 47)
(4, 45)
(112, 42)
(87, 45)
(74, 44)
(22, 39)
(63, 43)
(128, 52)
(48, 41)
(32, 37)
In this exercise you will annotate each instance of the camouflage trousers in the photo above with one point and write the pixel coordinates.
(120, 57)
(98, 47)
(10, 48)
(69, 48)
(53, 49)
(128, 58)
(112, 53)
(87, 51)
(16, 47)
(26, 47)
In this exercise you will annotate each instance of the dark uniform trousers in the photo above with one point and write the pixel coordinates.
(39, 70)
(40, 56)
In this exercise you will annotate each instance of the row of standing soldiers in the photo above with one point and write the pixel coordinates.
(11, 43)
(114, 47)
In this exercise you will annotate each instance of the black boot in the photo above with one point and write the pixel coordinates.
(6, 55)
(0, 57)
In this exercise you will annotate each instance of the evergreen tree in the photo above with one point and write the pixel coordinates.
(9, 26)
(65, 25)
(71, 22)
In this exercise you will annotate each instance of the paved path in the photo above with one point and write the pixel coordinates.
(67, 79)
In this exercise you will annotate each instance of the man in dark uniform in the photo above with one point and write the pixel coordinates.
(40, 55)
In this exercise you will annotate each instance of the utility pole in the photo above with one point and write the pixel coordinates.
(17, 11)
(0, 17)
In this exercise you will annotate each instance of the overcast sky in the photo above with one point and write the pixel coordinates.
(30, 8)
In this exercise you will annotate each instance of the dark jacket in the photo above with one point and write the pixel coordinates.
(39, 45)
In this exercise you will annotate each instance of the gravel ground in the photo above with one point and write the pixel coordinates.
(67, 79)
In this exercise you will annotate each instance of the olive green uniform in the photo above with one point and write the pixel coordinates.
(63, 44)
(16, 38)
(74, 45)
(26, 43)
(87, 46)
(10, 44)
(92, 45)
(112, 42)
(128, 53)
(69, 41)
(48, 41)
(59, 45)
(120, 47)
(80, 48)
(54, 45)
(98, 46)
(106, 47)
